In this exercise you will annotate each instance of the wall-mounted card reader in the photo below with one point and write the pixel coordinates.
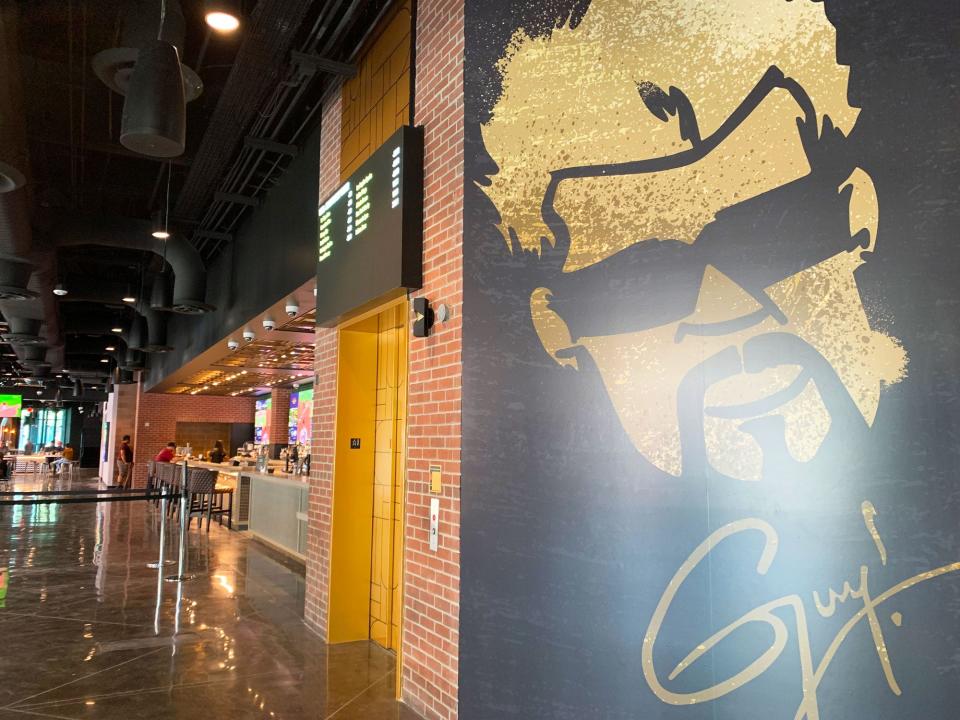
(434, 523)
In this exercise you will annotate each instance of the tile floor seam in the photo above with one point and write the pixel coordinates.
(360, 694)
(28, 713)
(12, 706)
(81, 620)
(139, 691)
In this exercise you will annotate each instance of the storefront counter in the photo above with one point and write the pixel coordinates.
(270, 506)
(278, 510)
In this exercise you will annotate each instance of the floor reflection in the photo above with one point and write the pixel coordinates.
(89, 630)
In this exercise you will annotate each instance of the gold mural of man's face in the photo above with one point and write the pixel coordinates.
(717, 271)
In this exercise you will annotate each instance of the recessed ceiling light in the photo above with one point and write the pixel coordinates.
(104, 360)
(59, 290)
(116, 330)
(109, 348)
(129, 299)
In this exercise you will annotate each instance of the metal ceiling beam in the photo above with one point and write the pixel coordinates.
(312, 62)
(236, 198)
(214, 235)
(271, 146)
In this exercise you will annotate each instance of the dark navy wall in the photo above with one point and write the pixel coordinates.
(710, 361)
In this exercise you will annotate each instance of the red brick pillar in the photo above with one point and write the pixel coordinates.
(432, 579)
(279, 416)
(319, 514)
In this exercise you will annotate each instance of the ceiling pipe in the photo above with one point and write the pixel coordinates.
(190, 276)
(154, 336)
(27, 272)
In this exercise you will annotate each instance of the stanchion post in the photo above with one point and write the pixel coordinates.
(163, 535)
(182, 575)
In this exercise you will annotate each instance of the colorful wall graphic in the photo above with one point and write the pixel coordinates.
(301, 413)
(261, 421)
(711, 399)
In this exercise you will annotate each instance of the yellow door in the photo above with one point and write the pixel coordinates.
(387, 541)
(366, 565)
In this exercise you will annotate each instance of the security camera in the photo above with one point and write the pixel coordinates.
(232, 344)
(269, 324)
(292, 308)
(248, 335)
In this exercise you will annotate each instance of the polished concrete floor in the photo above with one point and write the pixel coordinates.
(87, 630)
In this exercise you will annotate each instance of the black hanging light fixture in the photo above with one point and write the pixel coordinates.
(159, 229)
(154, 119)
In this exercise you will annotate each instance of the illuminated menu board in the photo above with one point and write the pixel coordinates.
(261, 422)
(370, 231)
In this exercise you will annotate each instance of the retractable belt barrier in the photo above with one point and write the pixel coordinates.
(65, 497)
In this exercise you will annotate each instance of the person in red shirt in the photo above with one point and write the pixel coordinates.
(167, 454)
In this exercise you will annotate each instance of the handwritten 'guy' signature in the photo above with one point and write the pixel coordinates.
(812, 673)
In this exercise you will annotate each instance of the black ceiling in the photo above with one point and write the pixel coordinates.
(253, 86)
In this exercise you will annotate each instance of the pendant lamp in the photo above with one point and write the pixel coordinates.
(154, 111)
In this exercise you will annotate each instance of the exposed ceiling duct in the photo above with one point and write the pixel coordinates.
(154, 111)
(114, 66)
(152, 337)
(26, 298)
(190, 279)
(13, 134)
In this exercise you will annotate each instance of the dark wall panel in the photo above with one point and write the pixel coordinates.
(710, 361)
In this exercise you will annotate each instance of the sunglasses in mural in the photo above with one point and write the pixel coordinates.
(711, 280)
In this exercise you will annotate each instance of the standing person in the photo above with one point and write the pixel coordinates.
(28, 448)
(124, 462)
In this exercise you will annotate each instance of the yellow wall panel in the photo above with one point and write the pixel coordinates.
(376, 102)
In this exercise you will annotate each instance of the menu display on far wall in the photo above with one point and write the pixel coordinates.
(261, 422)
(301, 410)
(10, 406)
(370, 231)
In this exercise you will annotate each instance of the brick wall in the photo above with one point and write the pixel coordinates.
(432, 580)
(280, 416)
(319, 513)
(158, 414)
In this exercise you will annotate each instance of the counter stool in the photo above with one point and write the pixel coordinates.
(221, 493)
(201, 484)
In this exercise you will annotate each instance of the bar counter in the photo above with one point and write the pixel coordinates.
(270, 506)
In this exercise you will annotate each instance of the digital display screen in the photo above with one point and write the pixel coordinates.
(261, 421)
(301, 411)
(370, 231)
(10, 406)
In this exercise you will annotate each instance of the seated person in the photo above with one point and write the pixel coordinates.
(65, 457)
(167, 454)
(218, 454)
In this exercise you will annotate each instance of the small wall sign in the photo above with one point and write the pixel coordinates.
(354, 443)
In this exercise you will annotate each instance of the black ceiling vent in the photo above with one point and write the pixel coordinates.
(125, 377)
(132, 360)
(154, 120)
(191, 307)
(14, 276)
(114, 66)
(23, 331)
